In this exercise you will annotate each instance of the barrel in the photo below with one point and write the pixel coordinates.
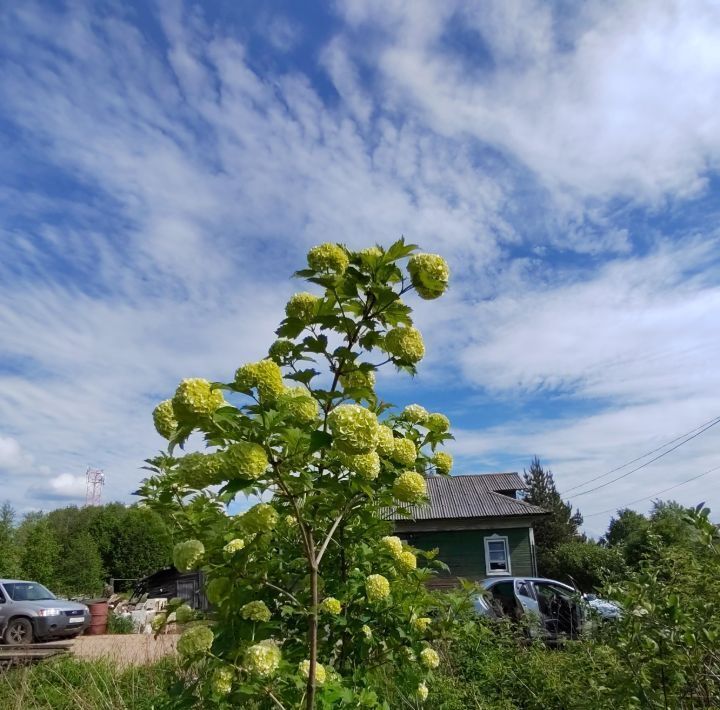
(98, 618)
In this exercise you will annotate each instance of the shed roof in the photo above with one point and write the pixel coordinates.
(471, 496)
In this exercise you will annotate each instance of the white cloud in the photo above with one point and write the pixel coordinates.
(600, 100)
(12, 456)
(66, 487)
(196, 185)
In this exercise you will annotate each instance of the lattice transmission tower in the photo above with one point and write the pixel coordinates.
(95, 478)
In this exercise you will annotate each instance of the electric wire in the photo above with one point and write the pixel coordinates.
(654, 495)
(704, 426)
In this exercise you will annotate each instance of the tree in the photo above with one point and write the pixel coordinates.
(79, 567)
(9, 552)
(561, 525)
(313, 575)
(628, 532)
(587, 564)
(40, 550)
(142, 545)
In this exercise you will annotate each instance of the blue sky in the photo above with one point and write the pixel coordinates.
(165, 167)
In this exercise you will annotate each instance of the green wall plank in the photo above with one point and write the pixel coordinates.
(464, 550)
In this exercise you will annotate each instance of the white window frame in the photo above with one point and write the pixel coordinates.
(493, 572)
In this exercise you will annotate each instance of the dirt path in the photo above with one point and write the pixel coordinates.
(125, 650)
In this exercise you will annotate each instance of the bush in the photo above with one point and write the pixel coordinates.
(119, 624)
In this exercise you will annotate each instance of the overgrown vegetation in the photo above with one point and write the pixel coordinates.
(73, 551)
(70, 684)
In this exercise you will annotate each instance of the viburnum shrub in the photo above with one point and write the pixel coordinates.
(311, 592)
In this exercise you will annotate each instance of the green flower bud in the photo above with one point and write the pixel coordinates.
(200, 470)
(386, 441)
(443, 462)
(302, 306)
(358, 379)
(304, 670)
(280, 349)
(263, 659)
(256, 611)
(260, 518)
(409, 487)
(367, 631)
(429, 274)
(415, 414)
(187, 555)
(364, 465)
(222, 681)
(164, 419)
(404, 452)
(421, 624)
(393, 544)
(405, 344)
(217, 589)
(195, 641)
(422, 692)
(234, 546)
(265, 376)
(246, 459)
(429, 658)
(370, 253)
(184, 614)
(406, 561)
(299, 404)
(438, 423)
(328, 257)
(330, 605)
(195, 397)
(158, 622)
(354, 429)
(377, 587)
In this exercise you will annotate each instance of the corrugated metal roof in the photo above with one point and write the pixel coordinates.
(453, 497)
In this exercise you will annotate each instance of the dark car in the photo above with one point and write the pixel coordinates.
(29, 612)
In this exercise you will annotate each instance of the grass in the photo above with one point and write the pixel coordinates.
(67, 683)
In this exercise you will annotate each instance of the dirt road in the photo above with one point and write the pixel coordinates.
(125, 650)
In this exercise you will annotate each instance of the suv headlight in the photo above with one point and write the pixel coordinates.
(50, 612)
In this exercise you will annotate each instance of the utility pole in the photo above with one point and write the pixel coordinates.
(95, 478)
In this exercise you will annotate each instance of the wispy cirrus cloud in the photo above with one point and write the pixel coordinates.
(164, 176)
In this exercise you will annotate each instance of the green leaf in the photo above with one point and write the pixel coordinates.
(320, 440)
(304, 376)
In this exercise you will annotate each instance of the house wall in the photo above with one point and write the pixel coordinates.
(464, 551)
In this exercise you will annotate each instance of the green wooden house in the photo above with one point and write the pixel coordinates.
(479, 524)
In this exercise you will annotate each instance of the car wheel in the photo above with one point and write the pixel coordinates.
(18, 632)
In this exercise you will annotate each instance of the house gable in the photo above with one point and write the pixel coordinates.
(463, 514)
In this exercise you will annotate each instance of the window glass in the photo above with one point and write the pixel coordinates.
(27, 592)
(496, 555)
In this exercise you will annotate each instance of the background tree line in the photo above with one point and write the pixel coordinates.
(567, 555)
(75, 551)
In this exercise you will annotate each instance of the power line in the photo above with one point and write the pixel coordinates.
(654, 495)
(706, 425)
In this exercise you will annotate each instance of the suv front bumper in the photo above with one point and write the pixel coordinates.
(62, 625)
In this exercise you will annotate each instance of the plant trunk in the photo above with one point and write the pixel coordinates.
(312, 637)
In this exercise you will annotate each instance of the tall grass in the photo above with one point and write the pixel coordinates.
(70, 684)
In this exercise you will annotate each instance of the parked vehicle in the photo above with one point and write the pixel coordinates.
(557, 609)
(28, 612)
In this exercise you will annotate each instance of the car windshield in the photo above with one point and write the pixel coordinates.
(27, 592)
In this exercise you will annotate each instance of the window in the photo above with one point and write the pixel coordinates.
(497, 555)
(27, 592)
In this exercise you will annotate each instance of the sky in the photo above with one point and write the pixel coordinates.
(165, 166)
